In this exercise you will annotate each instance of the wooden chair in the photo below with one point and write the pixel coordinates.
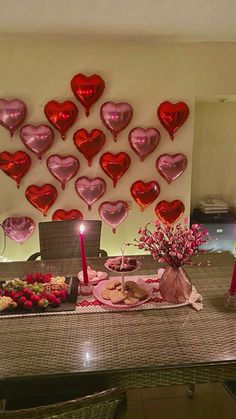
(60, 239)
(107, 404)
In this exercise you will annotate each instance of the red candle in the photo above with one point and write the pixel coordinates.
(232, 289)
(83, 257)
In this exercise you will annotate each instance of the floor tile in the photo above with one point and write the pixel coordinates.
(209, 388)
(135, 410)
(164, 392)
(133, 394)
(220, 406)
(175, 408)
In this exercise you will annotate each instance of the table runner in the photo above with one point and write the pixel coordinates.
(89, 304)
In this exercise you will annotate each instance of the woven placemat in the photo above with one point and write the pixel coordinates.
(90, 304)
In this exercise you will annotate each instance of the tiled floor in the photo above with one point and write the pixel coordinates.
(210, 401)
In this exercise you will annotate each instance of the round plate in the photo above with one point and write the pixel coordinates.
(101, 285)
(95, 280)
(138, 266)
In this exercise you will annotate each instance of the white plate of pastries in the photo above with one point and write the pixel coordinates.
(93, 276)
(136, 292)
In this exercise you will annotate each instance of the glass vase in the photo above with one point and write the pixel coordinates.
(175, 286)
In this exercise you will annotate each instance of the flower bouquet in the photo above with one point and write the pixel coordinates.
(175, 246)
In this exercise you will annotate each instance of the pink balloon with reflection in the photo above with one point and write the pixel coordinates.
(144, 141)
(37, 138)
(172, 166)
(113, 213)
(90, 189)
(63, 168)
(116, 116)
(18, 229)
(12, 114)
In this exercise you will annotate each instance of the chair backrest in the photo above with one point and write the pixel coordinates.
(107, 404)
(60, 239)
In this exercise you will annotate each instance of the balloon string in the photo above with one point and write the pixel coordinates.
(4, 242)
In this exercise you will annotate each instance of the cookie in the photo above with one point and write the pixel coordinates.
(116, 296)
(112, 284)
(140, 293)
(130, 300)
(130, 286)
(105, 294)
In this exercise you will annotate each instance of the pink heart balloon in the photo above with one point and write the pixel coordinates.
(18, 229)
(90, 190)
(63, 168)
(144, 141)
(12, 114)
(113, 213)
(37, 138)
(170, 166)
(116, 116)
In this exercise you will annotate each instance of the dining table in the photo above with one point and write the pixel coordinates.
(132, 349)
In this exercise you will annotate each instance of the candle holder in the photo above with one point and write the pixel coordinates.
(86, 289)
(230, 301)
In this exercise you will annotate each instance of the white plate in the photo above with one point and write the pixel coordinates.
(102, 284)
(96, 279)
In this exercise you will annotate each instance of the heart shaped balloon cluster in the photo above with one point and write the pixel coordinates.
(115, 116)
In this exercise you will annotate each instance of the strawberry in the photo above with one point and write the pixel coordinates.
(63, 295)
(51, 297)
(55, 303)
(27, 292)
(35, 298)
(22, 300)
(28, 305)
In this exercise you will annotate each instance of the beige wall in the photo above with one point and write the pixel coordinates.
(142, 73)
(214, 152)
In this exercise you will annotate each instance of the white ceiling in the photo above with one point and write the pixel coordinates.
(166, 20)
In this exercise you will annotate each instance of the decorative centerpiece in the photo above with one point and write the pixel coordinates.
(119, 292)
(175, 246)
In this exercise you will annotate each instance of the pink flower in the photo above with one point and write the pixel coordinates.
(173, 245)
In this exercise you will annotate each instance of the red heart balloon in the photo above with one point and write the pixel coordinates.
(172, 116)
(145, 193)
(170, 212)
(15, 165)
(41, 197)
(61, 215)
(61, 115)
(89, 144)
(87, 89)
(115, 165)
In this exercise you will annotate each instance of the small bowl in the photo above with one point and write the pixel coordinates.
(138, 266)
